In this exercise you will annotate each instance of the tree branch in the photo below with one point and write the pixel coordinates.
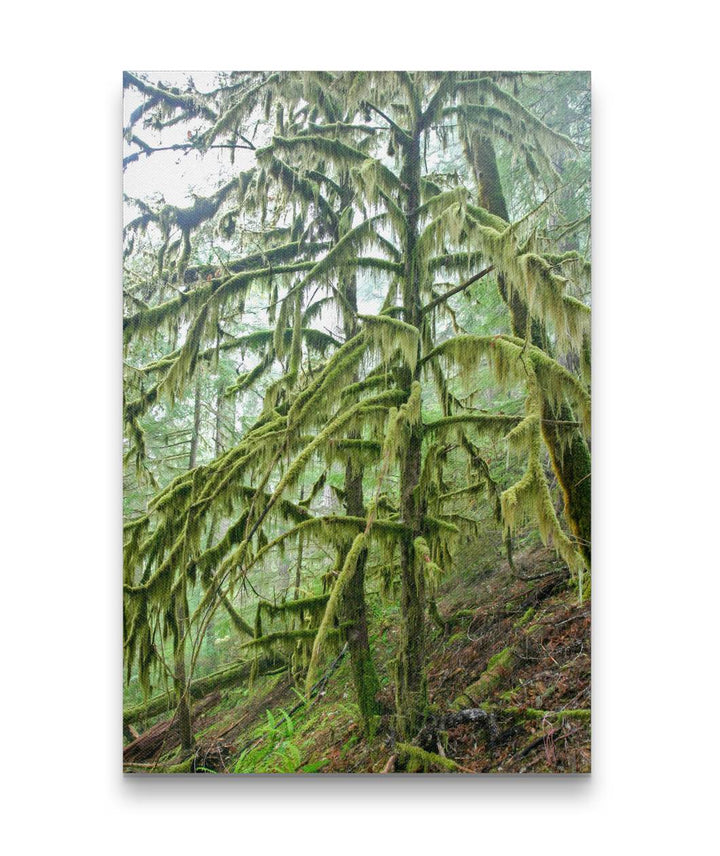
(443, 297)
(177, 147)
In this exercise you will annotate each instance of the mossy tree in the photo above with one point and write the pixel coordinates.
(348, 188)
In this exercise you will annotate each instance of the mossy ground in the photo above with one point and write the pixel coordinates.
(528, 631)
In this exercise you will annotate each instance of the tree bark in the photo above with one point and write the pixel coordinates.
(411, 684)
(298, 566)
(354, 612)
(181, 687)
(353, 607)
(182, 694)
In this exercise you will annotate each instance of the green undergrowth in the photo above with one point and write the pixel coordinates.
(517, 647)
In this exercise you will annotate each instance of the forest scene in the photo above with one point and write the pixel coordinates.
(357, 422)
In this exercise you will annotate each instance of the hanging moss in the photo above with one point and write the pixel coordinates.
(343, 362)
(347, 571)
(149, 320)
(497, 424)
(311, 605)
(372, 382)
(385, 400)
(285, 639)
(390, 336)
(425, 567)
(341, 155)
(515, 361)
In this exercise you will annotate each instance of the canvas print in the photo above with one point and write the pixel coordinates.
(356, 408)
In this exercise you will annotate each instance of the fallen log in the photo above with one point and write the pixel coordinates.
(201, 687)
(165, 735)
(416, 760)
(446, 624)
(583, 713)
(499, 666)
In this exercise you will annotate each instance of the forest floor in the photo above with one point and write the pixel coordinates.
(514, 647)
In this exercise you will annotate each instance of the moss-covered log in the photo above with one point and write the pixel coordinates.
(447, 624)
(200, 687)
(416, 760)
(497, 668)
(496, 671)
(582, 713)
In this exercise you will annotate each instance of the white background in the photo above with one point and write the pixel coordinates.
(655, 445)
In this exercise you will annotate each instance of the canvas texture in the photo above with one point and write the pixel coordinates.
(356, 411)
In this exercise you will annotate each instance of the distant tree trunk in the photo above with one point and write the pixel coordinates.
(195, 437)
(284, 580)
(481, 154)
(218, 444)
(571, 463)
(181, 617)
(298, 566)
(220, 404)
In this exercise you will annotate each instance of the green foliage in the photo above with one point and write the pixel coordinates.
(273, 749)
(309, 294)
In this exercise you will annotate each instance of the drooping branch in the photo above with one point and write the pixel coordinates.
(172, 97)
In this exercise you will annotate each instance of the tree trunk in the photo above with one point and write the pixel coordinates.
(353, 608)
(572, 466)
(181, 617)
(219, 407)
(298, 566)
(411, 685)
(196, 427)
(181, 687)
(354, 612)
(572, 463)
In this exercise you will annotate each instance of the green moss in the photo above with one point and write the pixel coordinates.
(348, 570)
(527, 616)
(531, 713)
(498, 666)
(417, 760)
(502, 660)
(185, 766)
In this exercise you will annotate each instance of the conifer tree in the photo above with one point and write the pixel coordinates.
(341, 189)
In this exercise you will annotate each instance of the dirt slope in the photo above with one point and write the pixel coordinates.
(508, 685)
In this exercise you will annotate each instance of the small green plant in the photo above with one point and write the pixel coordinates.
(314, 767)
(273, 750)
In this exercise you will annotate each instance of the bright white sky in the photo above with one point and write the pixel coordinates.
(176, 175)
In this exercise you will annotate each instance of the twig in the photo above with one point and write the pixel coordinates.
(390, 766)
(320, 685)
